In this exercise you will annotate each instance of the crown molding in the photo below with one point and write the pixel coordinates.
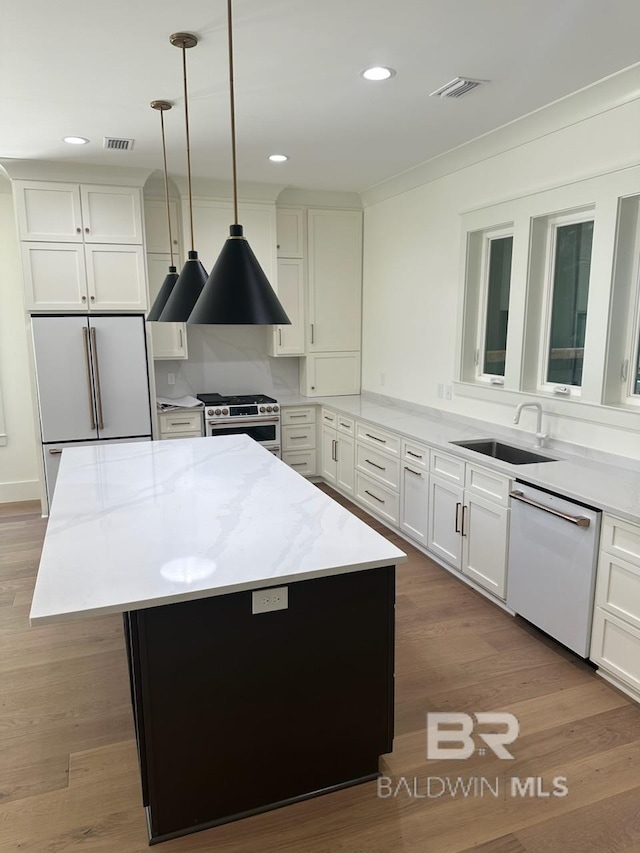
(318, 198)
(45, 170)
(212, 188)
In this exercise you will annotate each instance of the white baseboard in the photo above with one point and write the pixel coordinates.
(24, 490)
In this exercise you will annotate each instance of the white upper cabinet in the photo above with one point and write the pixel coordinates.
(55, 276)
(289, 340)
(72, 213)
(156, 227)
(290, 229)
(116, 278)
(335, 280)
(168, 340)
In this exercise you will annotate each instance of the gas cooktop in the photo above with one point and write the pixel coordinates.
(230, 400)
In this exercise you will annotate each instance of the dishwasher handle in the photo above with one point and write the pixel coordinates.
(578, 520)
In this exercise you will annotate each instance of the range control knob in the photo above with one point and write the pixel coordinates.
(268, 408)
(262, 409)
(218, 412)
(225, 411)
(209, 411)
(276, 408)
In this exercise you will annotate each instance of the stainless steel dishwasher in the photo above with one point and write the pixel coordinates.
(553, 545)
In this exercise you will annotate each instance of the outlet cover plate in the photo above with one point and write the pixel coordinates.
(268, 600)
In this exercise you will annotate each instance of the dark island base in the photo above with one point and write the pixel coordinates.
(238, 713)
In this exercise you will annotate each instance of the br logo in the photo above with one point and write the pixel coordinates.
(450, 735)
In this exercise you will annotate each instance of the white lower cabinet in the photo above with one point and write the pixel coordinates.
(298, 432)
(414, 503)
(337, 451)
(615, 636)
(381, 500)
(181, 424)
(470, 533)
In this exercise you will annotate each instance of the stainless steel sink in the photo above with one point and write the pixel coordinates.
(504, 452)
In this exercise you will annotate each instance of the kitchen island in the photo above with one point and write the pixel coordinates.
(258, 617)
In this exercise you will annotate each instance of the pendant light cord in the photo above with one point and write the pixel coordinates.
(232, 101)
(186, 120)
(166, 184)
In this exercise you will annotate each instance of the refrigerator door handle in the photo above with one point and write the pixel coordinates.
(94, 348)
(85, 341)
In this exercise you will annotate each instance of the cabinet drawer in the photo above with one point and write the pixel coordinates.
(181, 422)
(299, 437)
(615, 646)
(618, 588)
(299, 415)
(303, 462)
(328, 417)
(386, 441)
(448, 467)
(164, 436)
(346, 425)
(416, 454)
(487, 484)
(381, 500)
(382, 468)
(621, 538)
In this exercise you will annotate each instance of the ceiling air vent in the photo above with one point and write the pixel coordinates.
(114, 144)
(457, 88)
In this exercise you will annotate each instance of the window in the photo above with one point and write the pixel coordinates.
(567, 285)
(495, 316)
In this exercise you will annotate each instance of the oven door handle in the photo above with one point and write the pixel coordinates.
(244, 421)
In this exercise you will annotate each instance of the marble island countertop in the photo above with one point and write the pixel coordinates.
(613, 488)
(151, 523)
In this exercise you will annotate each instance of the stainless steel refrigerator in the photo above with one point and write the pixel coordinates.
(93, 383)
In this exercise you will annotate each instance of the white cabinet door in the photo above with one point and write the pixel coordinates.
(168, 340)
(54, 277)
(414, 503)
(345, 453)
(111, 214)
(116, 278)
(445, 510)
(324, 374)
(328, 464)
(64, 378)
(485, 531)
(335, 280)
(156, 227)
(48, 211)
(120, 376)
(290, 232)
(289, 340)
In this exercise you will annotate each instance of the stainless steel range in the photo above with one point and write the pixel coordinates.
(254, 415)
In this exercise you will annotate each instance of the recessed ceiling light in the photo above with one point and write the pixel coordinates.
(75, 140)
(378, 72)
(278, 158)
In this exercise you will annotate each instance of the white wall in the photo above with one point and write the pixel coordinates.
(412, 251)
(18, 459)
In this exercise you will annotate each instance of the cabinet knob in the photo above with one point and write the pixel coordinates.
(86, 230)
(93, 299)
(78, 230)
(175, 242)
(84, 298)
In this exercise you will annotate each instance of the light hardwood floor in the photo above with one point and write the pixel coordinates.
(69, 779)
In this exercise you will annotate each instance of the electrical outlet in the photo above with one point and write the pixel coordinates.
(171, 378)
(267, 600)
(448, 391)
(440, 390)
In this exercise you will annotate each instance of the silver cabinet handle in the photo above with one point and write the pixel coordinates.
(298, 464)
(327, 418)
(280, 337)
(180, 336)
(337, 451)
(333, 450)
(346, 426)
(415, 455)
(298, 437)
(85, 341)
(180, 423)
(297, 416)
(411, 471)
(312, 336)
(462, 530)
(375, 497)
(94, 348)
(54, 451)
(379, 467)
(578, 520)
(375, 438)
(457, 526)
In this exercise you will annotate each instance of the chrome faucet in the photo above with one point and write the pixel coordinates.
(540, 436)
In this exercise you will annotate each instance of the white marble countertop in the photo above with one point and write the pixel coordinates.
(151, 523)
(610, 487)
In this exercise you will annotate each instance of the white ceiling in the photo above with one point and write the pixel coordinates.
(91, 69)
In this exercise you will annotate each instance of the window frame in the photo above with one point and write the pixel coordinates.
(553, 222)
(488, 236)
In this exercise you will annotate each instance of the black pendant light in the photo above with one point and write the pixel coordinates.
(237, 292)
(172, 275)
(191, 280)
